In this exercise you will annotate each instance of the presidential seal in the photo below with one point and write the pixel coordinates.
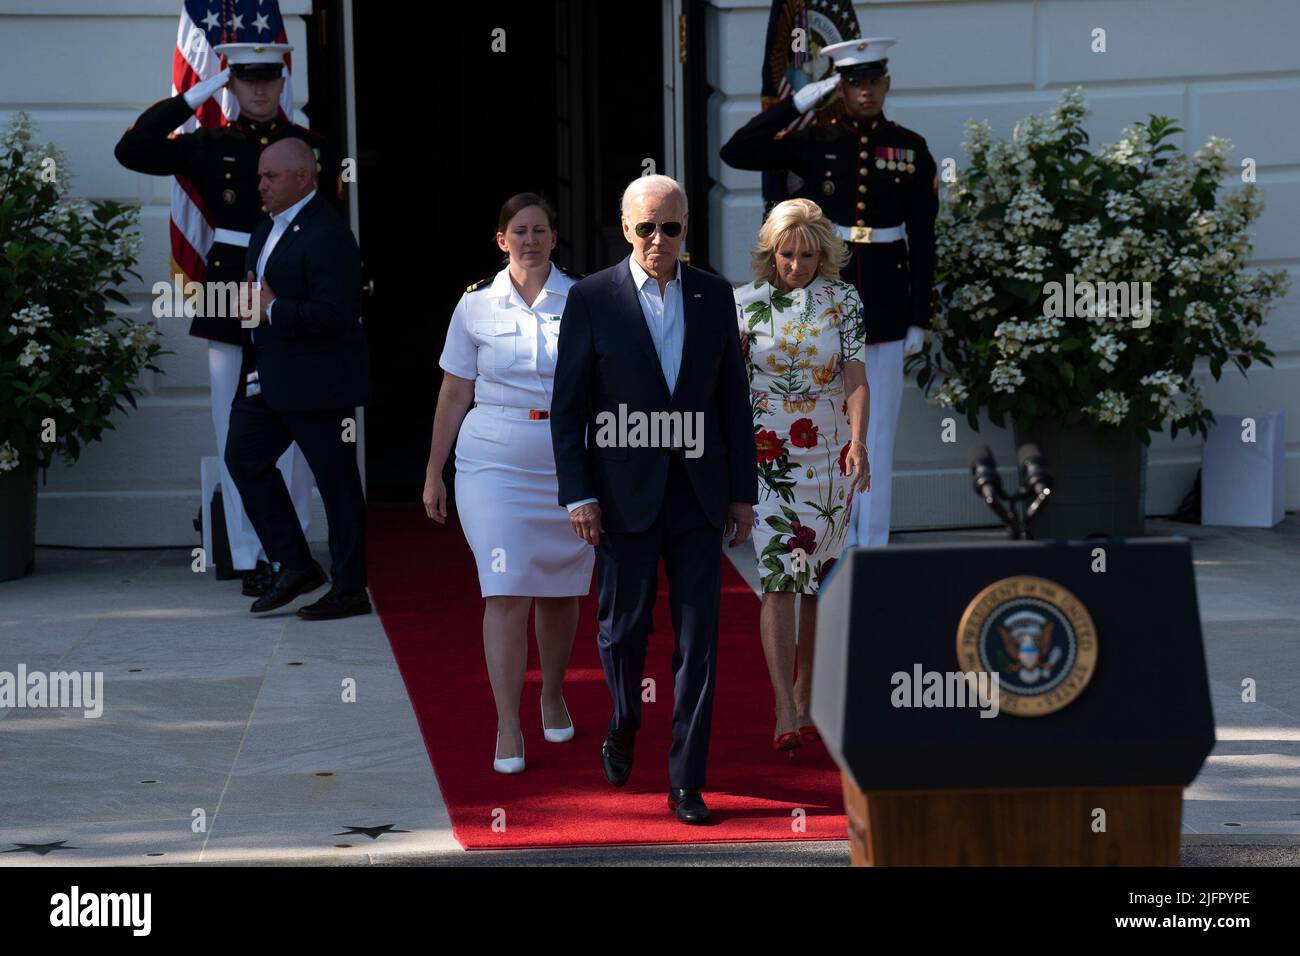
(1036, 636)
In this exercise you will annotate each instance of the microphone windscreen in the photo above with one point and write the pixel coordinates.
(981, 455)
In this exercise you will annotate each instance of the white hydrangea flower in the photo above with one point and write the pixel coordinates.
(1166, 386)
(31, 318)
(1108, 347)
(1006, 377)
(1213, 156)
(1019, 338)
(1133, 149)
(1122, 207)
(1070, 108)
(951, 393)
(96, 339)
(1109, 408)
(8, 457)
(32, 353)
(1029, 208)
(978, 135)
(1031, 261)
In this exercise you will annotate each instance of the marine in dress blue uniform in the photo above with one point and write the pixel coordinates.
(878, 183)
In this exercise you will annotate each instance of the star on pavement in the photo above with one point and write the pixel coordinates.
(40, 849)
(373, 832)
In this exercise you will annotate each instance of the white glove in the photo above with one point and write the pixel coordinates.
(914, 341)
(810, 95)
(200, 93)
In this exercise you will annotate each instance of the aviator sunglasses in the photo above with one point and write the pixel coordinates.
(647, 229)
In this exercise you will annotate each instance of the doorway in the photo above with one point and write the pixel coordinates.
(447, 130)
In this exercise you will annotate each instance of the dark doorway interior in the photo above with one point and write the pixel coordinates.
(570, 109)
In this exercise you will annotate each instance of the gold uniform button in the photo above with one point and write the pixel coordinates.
(862, 205)
(897, 179)
(862, 155)
(864, 141)
(862, 171)
(265, 141)
(862, 189)
(859, 223)
(227, 175)
(216, 264)
(828, 173)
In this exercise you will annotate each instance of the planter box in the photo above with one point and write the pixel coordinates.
(1100, 477)
(17, 523)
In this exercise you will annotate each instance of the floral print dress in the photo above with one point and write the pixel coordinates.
(796, 345)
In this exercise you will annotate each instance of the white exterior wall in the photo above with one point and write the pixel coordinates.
(85, 70)
(1220, 69)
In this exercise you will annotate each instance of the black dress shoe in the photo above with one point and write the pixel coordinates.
(616, 757)
(336, 604)
(258, 581)
(688, 805)
(287, 585)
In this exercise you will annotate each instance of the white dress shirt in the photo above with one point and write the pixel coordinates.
(280, 222)
(667, 324)
(663, 316)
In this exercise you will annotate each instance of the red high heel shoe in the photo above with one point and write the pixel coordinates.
(788, 742)
(809, 734)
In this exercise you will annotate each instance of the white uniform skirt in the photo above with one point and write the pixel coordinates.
(507, 497)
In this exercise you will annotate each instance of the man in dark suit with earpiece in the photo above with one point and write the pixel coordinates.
(305, 372)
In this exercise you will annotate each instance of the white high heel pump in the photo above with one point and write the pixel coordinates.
(509, 764)
(558, 735)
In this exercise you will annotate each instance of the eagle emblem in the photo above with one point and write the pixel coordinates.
(1036, 636)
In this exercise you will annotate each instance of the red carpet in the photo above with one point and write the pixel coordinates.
(426, 591)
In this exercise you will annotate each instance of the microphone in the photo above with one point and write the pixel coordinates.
(988, 483)
(1033, 471)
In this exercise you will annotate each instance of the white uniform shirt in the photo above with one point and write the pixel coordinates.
(507, 347)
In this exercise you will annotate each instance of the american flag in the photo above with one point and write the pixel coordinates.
(786, 70)
(205, 24)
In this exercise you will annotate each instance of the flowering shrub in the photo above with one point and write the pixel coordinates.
(1040, 214)
(67, 360)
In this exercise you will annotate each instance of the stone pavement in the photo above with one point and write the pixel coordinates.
(226, 738)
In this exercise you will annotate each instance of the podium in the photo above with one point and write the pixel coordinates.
(1021, 703)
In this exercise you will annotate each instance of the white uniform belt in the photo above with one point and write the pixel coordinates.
(229, 237)
(515, 411)
(870, 233)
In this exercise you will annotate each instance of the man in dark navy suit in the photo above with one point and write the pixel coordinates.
(654, 450)
(305, 371)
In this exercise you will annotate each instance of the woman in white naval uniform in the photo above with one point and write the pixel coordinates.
(500, 354)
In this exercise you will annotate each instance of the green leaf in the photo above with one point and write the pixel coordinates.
(780, 524)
